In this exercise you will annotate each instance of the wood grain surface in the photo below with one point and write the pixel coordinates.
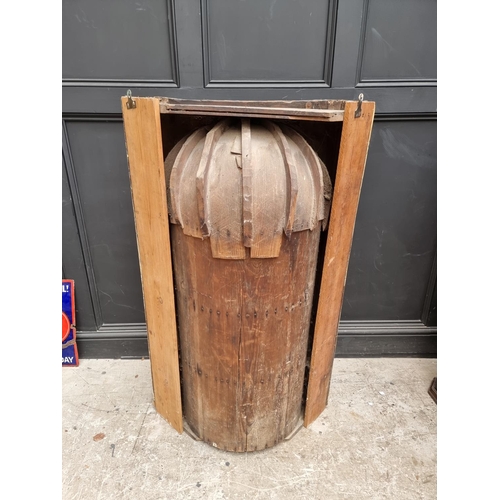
(348, 180)
(147, 179)
(317, 110)
(244, 327)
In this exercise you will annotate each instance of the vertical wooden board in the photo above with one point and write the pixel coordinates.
(274, 340)
(269, 195)
(316, 172)
(243, 328)
(225, 199)
(187, 191)
(291, 170)
(147, 179)
(247, 174)
(209, 307)
(174, 163)
(202, 174)
(349, 177)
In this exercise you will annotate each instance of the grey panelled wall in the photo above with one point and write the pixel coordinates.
(401, 54)
(394, 238)
(270, 39)
(101, 39)
(259, 49)
(100, 166)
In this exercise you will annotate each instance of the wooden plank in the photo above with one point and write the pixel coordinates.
(269, 194)
(325, 104)
(290, 114)
(318, 212)
(202, 174)
(246, 165)
(147, 179)
(179, 160)
(349, 177)
(318, 110)
(291, 170)
(224, 197)
(334, 116)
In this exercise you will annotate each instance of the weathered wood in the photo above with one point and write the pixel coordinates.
(313, 104)
(244, 319)
(333, 116)
(247, 177)
(291, 171)
(202, 174)
(225, 199)
(252, 184)
(269, 195)
(147, 179)
(348, 180)
(318, 110)
(181, 193)
(243, 327)
(143, 135)
(180, 157)
(317, 173)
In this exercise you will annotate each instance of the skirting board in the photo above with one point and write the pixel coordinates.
(355, 340)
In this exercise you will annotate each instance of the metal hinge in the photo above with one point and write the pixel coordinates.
(357, 113)
(130, 101)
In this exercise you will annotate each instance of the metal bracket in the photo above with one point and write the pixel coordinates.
(357, 113)
(130, 102)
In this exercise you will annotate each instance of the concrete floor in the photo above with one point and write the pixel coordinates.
(375, 440)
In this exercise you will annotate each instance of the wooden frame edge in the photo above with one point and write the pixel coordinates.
(147, 180)
(354, 143)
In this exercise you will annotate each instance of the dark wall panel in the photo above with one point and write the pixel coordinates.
(267, 40)
(118, 40)
(400, 40)
(100, 163)
(395, 235)
(74, 266)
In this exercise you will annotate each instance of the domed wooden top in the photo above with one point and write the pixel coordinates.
(244, 183)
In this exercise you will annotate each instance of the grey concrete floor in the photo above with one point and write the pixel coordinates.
(375, 440)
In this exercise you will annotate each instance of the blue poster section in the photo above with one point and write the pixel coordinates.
(69, 347)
